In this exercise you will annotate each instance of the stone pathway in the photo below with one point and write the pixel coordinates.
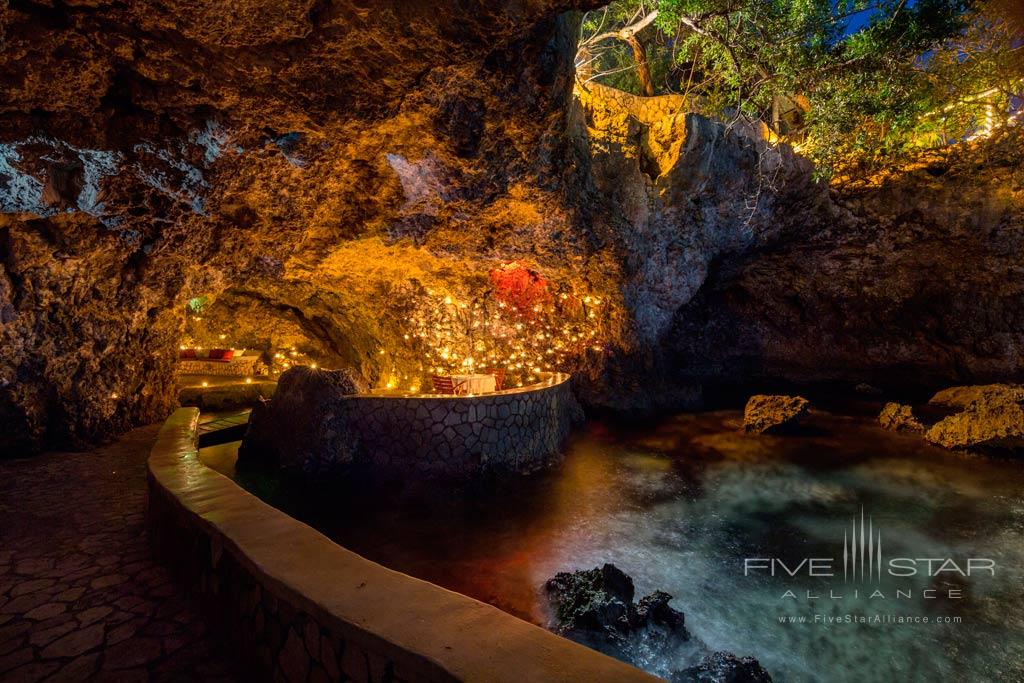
(81, 597)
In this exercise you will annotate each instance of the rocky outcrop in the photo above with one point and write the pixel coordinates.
(765, 414)
(596, 608)
(913, 283)
(723, 667)
(899, 418)
(963, 396)
(673, 192)
(302, 429)
(991, 419)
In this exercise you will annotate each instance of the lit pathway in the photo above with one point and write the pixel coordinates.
(81, 598)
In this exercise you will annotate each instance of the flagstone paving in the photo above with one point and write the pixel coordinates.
(81, 597)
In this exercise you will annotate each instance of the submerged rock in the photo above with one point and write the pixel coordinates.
(992, 418)
(899, 418)
(723, 667)
(595, 607)
(868, 389)
(767, 414)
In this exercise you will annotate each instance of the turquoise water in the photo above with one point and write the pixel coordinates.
(679, 505)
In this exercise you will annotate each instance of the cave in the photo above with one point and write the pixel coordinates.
(443, 299)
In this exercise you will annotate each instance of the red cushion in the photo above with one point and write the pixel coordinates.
(216, 354)
(228, 354)
(188, 353)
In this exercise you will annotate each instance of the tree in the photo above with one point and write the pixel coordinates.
(620, 21)
(835, 76)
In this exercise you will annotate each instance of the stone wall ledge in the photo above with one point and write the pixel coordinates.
(295, 606)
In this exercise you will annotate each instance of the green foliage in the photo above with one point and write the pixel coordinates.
(196, 305)
(870, 92)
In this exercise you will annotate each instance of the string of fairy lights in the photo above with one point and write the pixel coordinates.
(521, 328)
(484, 335)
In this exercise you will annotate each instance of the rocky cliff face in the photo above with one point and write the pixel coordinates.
(322, 169)
(675, 191)
(915, 282)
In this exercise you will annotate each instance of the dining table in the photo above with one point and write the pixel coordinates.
(474, 383)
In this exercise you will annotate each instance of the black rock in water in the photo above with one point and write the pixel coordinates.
(723, 667)
(595, 607)
(654, 609)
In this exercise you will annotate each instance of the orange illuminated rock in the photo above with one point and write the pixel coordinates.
(768, 414)
(899, 418)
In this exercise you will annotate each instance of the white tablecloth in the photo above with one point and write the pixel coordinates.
(474, 384)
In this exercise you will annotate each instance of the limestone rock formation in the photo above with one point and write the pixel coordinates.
(316, 187)
(912, 283)
(899, 418)
(723, 667)
(302, 429)
(675, 191)
(276, 153)
(765, 414)
(991, 419)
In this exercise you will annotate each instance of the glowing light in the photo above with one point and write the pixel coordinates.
(205, 383)
(248, 380)
(545, 330)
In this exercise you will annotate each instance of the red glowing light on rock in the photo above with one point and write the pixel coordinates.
(520, 287)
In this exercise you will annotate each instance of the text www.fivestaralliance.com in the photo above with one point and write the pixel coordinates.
(895, 619)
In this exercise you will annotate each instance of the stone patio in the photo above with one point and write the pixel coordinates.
(80, 596)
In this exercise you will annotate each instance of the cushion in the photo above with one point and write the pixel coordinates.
(188, 353)
(216, 354)
(228, 354)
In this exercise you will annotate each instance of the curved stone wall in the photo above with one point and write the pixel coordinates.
(297, 607)
(308, 428)
(516, 430)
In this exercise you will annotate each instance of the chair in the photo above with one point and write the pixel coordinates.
(443, 385)
(499, 377)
